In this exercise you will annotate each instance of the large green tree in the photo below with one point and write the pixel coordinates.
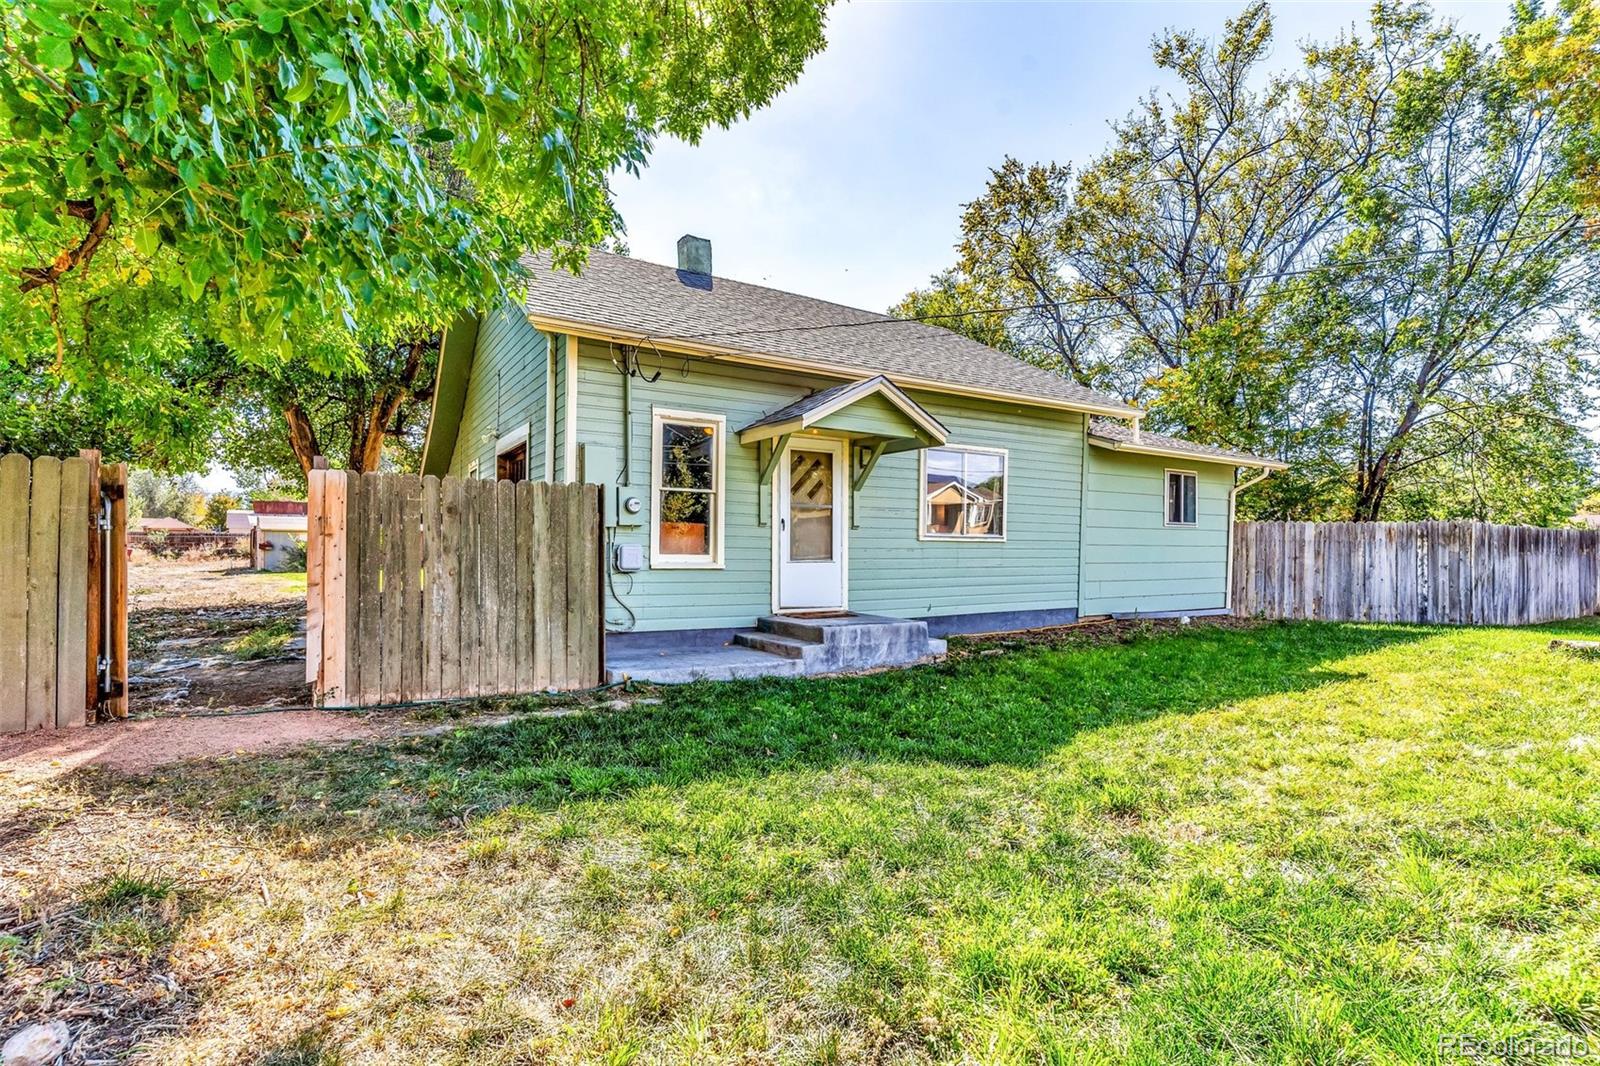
(1554, 53)
(356, 419)
(378, 166)
(276, 155)
(1349, 266)
(150, 392)
(1458, 300)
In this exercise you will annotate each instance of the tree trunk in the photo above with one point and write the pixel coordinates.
(302, 437)
(369, 421)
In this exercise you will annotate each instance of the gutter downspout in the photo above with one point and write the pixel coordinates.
(1233, 501)
(1083, 505)
(549, 407)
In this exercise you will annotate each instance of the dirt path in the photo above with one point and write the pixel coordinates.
(215, 650)
(210, 634)
(137, 746)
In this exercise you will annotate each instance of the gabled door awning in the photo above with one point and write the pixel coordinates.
(872, 412)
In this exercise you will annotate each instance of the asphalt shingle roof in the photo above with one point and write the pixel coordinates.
(1121, 433)
(633, 296)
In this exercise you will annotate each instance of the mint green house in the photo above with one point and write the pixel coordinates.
(782, 472)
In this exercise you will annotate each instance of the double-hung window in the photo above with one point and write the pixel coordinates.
(1182, 492)
(963, 494)
(686, 458)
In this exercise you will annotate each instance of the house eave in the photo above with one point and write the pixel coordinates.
(457, 346)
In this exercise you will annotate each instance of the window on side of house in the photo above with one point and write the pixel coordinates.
(1182, 494)
(963, 494)
(511, 456)
(686, 458)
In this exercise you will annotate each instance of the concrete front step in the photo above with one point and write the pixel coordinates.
(828, 645)
(777, 644)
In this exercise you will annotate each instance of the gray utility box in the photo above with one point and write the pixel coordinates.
(599, 466)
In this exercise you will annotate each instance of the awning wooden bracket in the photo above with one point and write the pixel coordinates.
(859, 478)
(767, 452)
(873, 455)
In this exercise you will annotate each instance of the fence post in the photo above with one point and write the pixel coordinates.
(93, 623)
(15, 475)
(315, 478)
(114, 483)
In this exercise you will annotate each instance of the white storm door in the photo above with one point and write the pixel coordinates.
(811, 527)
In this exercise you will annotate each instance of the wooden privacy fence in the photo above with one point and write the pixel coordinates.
(63, 591)
(1463, 573)
(422, 588)
(177, 542)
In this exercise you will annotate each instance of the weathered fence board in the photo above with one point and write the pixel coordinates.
(63, 591)
(13, 593)
(430, 588)
(1457, 573)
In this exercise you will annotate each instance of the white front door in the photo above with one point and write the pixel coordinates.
(810, 507)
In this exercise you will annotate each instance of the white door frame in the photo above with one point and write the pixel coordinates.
(841, 520)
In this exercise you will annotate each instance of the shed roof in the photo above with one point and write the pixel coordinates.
(1120, 437)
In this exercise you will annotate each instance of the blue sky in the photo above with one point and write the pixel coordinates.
(849, 186)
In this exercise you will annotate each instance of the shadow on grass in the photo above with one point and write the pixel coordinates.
(1007, 709)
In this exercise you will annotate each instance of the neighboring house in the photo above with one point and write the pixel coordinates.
(766, 452)
(240, 520)
(277, 534)
(165, 525)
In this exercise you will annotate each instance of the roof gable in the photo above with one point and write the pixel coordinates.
(872, 407)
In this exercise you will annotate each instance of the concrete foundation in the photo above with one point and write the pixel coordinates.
(779, 645)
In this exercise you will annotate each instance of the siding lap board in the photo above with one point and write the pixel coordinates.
(1134, 561)
(504, 392)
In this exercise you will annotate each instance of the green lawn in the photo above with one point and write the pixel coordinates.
(1291, 843)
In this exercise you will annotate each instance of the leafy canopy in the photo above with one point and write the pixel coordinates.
(377, 162)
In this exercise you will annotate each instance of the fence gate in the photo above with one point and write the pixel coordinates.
(1458, 573)
(421, 588)
(63, 591)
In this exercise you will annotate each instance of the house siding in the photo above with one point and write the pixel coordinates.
(505, 390)
(890, 570)
(1061, 494)
(1132, 560)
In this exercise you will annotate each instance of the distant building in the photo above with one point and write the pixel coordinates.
(167, 525)
(277, 533)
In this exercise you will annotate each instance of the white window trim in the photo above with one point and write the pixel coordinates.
(922, 496)
(472, 470)
(1166, 500)
(510, 440)
(658, 561)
